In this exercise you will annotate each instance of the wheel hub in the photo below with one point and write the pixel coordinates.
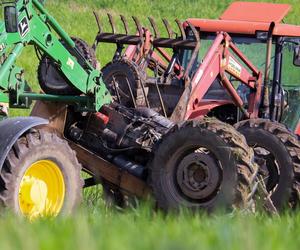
(34, 192)
(198, 175)
(42, 190)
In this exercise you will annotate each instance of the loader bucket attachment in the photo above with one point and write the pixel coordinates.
(149, 50)
(118, 38)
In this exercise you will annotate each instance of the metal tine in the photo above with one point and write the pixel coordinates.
(138, 26)
(195, 51)
(139, 47)
(154, 27)
(168, 27)
(181, 28)
(96, 42)
(98, 22)
(112, 23)
(194, 31)
(125, 23)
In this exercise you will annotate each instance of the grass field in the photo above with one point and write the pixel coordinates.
(98, 228)
(95, 226)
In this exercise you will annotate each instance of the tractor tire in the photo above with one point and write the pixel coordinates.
(115, 76)
(278, 151)
(203, 164)
(52, 81)
(41, 177)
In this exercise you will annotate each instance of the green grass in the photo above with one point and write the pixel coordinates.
(95, 226)
(98, 228)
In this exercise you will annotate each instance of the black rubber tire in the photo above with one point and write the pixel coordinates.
(285, 148)
(231, 150)
(121, 70)
(34, 146)
(52, 81)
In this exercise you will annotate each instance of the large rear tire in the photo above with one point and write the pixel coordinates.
(121, 76)
(278, 151)
(41, 176)
(203, 164)
(52, 81)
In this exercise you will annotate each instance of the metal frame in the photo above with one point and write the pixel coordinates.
(35, 27)
(97, 167)
(219, 62)
(259, 100)
(191, 104)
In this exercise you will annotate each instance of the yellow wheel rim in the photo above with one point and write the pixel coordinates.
(42, 190)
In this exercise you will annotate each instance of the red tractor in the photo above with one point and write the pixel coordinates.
(241, 68)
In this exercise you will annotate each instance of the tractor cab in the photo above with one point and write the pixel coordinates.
(248, 25)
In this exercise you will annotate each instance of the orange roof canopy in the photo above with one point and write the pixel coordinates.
(248, 18)
(256, 12)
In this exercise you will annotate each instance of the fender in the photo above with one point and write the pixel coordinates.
(11, 129)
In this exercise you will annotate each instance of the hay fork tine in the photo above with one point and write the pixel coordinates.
(195, 51)
(141, 34)
(112, 23)
(138, 25)
(180, 27)
(98, 22)
(154, 27)
(100, 30)
(125, 23)
(168, 27)
(194, 31)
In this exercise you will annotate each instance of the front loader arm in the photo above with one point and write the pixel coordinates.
(223, 59)
(35, 26)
